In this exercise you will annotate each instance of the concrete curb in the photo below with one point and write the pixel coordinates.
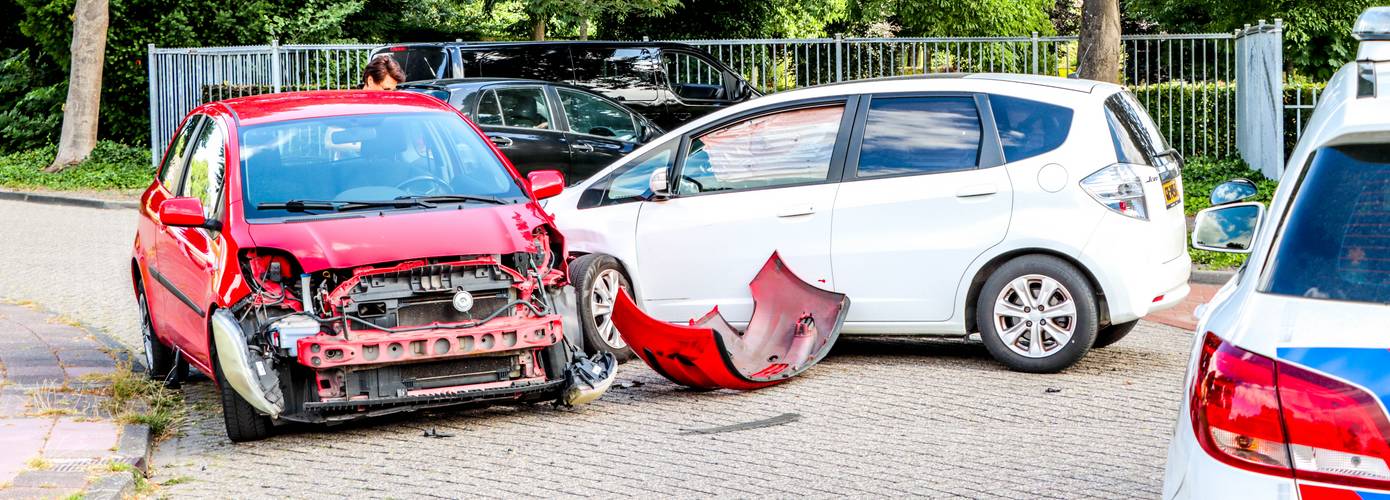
(1206, 277)
(72, 201)
(110, 486)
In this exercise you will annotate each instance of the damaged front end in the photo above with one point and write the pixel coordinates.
(794, 324)
(379, 339)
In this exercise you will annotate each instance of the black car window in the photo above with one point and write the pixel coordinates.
(489, 111)
(778, 149)
(206, 167)
(551, 64)
(920, 135)
(1136, 137)
(171, 172)
(524, 107)
(593, 115)
(630, 182)
(1336, 242)
(495, 62)
(419, 63)
(625, 72)
(692, 77)
(1029, 128)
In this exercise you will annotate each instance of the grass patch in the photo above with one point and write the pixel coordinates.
(176, 480)
(111, 166)
(38, 463)
(142, 486)
(134, 399)
(1199, 177)
(48, 401)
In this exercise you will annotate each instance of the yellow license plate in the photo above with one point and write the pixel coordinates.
(1171, 194)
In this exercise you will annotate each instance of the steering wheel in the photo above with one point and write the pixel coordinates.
(436, 186)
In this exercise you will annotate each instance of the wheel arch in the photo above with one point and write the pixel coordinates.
(978, 281)
(622, 266)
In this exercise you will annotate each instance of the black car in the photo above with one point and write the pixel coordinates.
(543, 125)
(670, 83)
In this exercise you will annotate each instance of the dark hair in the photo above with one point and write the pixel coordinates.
(381, 67)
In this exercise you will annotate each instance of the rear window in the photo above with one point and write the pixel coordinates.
(1336, 242)
(420, 63)
(1136, 137)
(1029, 128)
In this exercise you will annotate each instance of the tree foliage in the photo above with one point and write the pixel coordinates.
(956, 18)
(1317, 34)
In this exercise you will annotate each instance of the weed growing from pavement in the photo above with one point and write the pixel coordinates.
(48, 401)
(134, 399)
(142, 486)
(38, 463)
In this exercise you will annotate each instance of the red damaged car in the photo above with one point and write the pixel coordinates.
(333, 255)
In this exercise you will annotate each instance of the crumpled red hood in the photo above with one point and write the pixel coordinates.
(372, 237)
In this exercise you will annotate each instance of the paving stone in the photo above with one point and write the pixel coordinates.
(51, 479)
(21, 439)
(86, 356)
(69, 435)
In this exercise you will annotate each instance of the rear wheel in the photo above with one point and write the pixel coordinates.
(599, 278)
(159, 358)
(1113, 333)
(242, 420)
(1037, 314)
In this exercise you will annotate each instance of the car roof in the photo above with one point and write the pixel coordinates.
(265, 108)
(491, 45)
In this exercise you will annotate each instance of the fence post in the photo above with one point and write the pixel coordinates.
(1035, 52)
(275, 65)
(839, 57)
(154, 106)
(1260, 97)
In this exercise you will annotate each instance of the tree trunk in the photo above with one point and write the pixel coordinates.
(538, 26)
(1100, 41)
(79, 135)
(584, 29)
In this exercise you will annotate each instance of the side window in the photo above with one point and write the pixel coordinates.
(629, 73)
(1029, 128)
(692, 77)
(506, 63)
(171, 172)
(489, 111)
(788, 147)
(920, 135)
(206, 167)
(594, 116)
(524, 107)
(630, 182)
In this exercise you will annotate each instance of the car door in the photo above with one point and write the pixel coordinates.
(187, 255)
(521, 122)
(599, 131)
(747, 187)
(924, 195)
(162, 300)
(697, 86)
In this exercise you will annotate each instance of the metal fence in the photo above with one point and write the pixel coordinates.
(1186, 81)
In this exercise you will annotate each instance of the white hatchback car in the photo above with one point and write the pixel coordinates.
(1287, 389)
(1045, 213)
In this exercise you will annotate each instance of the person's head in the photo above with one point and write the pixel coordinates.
(382, 74)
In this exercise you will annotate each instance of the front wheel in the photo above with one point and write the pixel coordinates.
(598, 279)
(242, 420)
(1037, 314)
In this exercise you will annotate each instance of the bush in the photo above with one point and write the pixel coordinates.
(111, 166)
(1196, 118)
(1199, 177)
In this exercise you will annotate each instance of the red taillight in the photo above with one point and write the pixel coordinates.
(397, 48)
(1337, 431)
(1235, 408)
(1253, 413)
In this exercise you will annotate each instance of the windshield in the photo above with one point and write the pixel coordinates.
(1336, 243)
(367, 158)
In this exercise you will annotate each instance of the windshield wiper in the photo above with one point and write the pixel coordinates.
(445, 198)
(343, 206)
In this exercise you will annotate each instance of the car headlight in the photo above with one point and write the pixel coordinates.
(1119, 189)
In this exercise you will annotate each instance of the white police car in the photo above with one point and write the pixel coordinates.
(1290, 374)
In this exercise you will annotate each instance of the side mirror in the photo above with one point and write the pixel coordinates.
(659, 184)
(185, 212)
(546, 183)
(1233, 191)
(1228, 228)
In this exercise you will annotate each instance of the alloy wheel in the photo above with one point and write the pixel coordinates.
(601, 297)
(146, 330)
(1035, 316)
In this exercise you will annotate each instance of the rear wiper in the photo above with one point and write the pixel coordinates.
(445, 198)
(342, 206)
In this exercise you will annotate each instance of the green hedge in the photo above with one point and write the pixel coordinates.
(1196, 118)
(111, 166)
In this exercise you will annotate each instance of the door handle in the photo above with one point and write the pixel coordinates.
(500, 141)
(797, 210)
(583, 148)
(976, 190)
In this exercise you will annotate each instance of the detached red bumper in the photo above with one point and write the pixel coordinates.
(794, 324)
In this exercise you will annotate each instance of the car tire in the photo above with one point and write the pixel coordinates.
(242, 420)
(1113, 333)
(598, 278)
(1029, 338)
(159, 358)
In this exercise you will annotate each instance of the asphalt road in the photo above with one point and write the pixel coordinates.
(878, 417)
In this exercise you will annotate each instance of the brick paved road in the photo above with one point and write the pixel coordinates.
(878, 417)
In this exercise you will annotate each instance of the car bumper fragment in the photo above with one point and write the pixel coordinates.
(794, 324)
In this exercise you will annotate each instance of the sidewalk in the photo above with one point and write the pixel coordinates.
(56, 437)
(1181, 316)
